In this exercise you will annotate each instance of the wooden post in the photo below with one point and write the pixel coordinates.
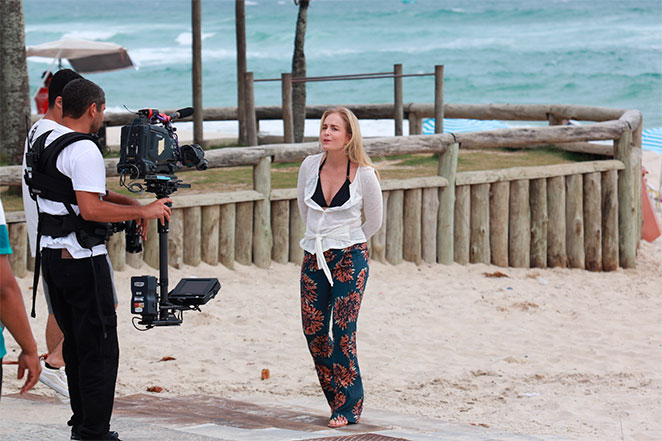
(636, 163)
(538, 194)
(288, 118)
(446, 217)
(198, 113)
(593, 221)
(262, 238)
(280, 228)
(499, 209)
(176, 239)
(627, 212)
(192, 235)
(429, 213)
(18, 238)
(574, 220)
(297, 230)
(519, 254)
(226, 235)
(462, 224)
(411, 244)
(439, 99)
(251, 118)
(211, 216)
(394, 227)
(556, 227)
(553, 120)
(243, 240)
(240, 27)
(151, 245)
(378, 241)
(479, 251)
(415, 124)
(398, 111)
(116, 247)
(609, 186)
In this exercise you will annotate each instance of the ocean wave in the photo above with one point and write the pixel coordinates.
(175, 56)
(186, 38)
(90, 35)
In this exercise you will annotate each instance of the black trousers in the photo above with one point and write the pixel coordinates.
(90, 349)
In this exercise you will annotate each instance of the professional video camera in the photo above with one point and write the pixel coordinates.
(150, 151)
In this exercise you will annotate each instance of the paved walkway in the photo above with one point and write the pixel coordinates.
(197, 418)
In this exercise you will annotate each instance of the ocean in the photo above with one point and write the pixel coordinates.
(597, 52)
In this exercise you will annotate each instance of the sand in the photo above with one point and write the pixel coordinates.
(540, 352)
(554, 351)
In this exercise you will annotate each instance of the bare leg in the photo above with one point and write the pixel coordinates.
(54, 339)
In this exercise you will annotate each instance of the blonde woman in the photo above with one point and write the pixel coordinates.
(334, 188)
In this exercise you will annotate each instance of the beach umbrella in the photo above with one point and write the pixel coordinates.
(651, 139)
(460, 125)
(85, 56)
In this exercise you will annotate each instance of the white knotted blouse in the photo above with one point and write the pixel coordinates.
(337, 227)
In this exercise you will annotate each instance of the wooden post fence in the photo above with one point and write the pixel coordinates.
(581, 215)
(398, 113)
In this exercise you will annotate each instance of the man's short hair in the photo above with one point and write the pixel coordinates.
(59, 80)
(79, 95)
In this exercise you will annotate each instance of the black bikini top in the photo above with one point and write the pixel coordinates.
(340, 197)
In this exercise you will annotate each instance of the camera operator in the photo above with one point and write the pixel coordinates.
(52, 372)
(77, 274)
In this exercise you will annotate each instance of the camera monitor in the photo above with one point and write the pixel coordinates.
(194, 291)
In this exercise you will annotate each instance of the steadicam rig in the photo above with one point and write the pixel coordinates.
(150, 153)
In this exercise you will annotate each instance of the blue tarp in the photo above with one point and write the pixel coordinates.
(651, 139)
(458, 125)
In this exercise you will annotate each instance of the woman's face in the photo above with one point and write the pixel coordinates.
(334, 135)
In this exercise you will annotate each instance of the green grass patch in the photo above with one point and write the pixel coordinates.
(284, 175)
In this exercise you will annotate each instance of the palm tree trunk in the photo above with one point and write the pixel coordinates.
(14, 86)
(299, 71)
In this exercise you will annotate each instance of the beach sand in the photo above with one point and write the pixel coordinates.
(555, 351)
(541, 352)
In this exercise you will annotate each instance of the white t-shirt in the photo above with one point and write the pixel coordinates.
(29, 206)
(83, 163)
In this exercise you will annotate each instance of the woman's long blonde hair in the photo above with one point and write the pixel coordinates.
(353, 148)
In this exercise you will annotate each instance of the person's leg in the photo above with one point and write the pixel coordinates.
(90, 350)
(54, 336)
(350, 277)
(54, 339)
(52, 367)
(53, 269)
(315, 316)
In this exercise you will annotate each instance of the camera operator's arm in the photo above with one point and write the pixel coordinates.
(14, 318)
(120, 199)
(94, 209)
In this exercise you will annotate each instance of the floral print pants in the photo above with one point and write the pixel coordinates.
(335, 357)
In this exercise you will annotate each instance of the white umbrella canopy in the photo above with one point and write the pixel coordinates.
(85, 56)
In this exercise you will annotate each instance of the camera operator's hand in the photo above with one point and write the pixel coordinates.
(29, 361)
(158, 210)
(114, 207)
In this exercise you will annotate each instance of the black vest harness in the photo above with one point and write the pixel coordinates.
(46, 181)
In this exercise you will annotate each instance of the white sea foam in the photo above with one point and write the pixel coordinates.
(186, 38)
(90, 34)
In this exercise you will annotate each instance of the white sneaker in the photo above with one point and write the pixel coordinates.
(56, 379)
(59, 398)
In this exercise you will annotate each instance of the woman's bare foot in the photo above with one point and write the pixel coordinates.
(338, 421)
